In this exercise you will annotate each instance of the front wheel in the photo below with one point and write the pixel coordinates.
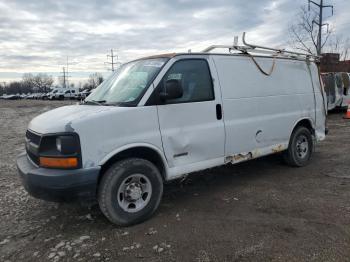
(130, 191)
(300, 147)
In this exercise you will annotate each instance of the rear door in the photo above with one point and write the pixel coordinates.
(191, 126)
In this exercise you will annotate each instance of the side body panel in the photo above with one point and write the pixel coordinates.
(261, 111)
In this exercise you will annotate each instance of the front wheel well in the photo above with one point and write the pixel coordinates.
(138, 152)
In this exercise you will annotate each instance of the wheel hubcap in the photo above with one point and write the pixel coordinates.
(302, 146)
(134, 193)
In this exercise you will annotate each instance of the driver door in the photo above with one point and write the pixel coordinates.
(192, 127)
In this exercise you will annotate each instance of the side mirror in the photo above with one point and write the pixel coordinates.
(171, 90)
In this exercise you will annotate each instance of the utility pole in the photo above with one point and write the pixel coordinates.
(67, 73)
(320, 23)
(65, 77)
(112, 63)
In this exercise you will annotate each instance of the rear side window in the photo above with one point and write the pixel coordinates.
(195, 79)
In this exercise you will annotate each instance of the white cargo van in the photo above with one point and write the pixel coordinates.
(66, 93)
(52, 95)
(159, 118)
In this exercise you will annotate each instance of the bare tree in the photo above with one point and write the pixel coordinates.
(43, 82)
(40, 82)
(95, 80)
(2, 88)
(339, 44)
(304, 33)
(28, 82)
(14, 87)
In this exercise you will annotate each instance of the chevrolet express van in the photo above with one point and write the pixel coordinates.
(159, 118)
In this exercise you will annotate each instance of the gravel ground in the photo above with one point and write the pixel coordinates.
(260, 210)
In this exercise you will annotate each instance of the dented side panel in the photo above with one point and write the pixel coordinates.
(191, 132)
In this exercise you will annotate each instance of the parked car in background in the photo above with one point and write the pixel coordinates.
(65, 93)
(37, 95)
(337, 89)
(346, 89)
(52, 95)
(85, 93)
(45, 96)
(12, 97)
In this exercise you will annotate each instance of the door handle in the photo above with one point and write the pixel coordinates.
(218, 112)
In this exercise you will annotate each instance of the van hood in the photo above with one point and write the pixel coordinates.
(64, 119)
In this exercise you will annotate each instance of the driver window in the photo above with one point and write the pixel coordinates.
(195, 80)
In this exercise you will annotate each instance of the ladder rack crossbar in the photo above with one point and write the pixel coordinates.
(247, 47)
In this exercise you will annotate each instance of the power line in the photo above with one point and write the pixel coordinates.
(320, 23)
(113, 62)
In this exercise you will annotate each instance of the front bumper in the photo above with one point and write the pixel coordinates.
(56, 184)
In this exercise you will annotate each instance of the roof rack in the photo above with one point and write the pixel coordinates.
(247, 47)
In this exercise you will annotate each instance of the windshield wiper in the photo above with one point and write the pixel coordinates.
(121, 104)
(94, 102)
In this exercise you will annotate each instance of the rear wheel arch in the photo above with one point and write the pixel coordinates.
(298, 152)
(305, 122)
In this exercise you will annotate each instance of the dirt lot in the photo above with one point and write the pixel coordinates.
(256, 211)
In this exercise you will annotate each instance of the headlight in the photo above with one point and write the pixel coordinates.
(59, 144)
(60, 151)
(67, 144)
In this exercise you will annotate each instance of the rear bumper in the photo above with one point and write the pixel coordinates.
(55, 184)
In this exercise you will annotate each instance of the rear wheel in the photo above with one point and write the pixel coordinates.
(130, 191)
(300, 147)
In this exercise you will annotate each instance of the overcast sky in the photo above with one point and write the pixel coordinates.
(38, 35)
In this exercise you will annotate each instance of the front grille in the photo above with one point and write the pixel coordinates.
(32, 146)
(33, 157)
(34, 138)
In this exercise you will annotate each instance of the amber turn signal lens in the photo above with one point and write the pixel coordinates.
(69, 162)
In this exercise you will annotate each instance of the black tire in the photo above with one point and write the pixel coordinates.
(111, 183)
(298, 154)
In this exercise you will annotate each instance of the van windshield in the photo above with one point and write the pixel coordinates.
(126, 86)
